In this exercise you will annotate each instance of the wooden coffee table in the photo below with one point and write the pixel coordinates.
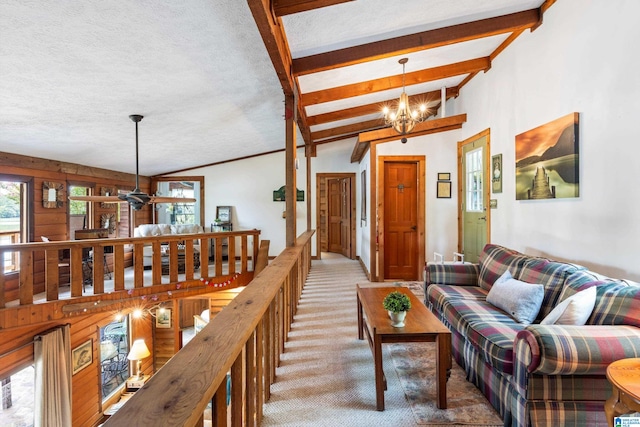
(624, 376)
(420, 326)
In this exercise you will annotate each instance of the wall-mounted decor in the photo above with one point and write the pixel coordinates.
(363, 199)
(444, 189)
(108, 191)
(52, 194)
(163, 318)
(82, 356)
(496, 173)
(108, 221)
(547, 160)
(444, 176)
(278, 195)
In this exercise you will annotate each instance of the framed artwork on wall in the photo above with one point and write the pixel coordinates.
(444, 190)
(82, 356)
(363, 198)
(496, 173)
(108, 191)
(52, 194)
(163, 318)
(547, 160)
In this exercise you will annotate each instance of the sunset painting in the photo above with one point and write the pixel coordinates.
(547, 160)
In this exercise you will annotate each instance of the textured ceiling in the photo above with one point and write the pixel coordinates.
(71, 72)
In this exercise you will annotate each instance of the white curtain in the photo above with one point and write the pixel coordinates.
(52, 353)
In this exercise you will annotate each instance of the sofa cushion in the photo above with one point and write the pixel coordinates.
(437, 295)
(149, 230)
(550, 274)
(519, 299)
(494, 341)
(495, 260)
(185, 229)
(452, 274)
(574, 310)
(460, 313)
(617, 303)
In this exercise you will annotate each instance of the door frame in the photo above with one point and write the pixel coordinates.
(487, 171)
(321, 182)
(420, 215)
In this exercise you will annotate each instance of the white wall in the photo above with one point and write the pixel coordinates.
(248, 186)
(440, 151)
(582, 59)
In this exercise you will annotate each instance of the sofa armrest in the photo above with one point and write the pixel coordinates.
(452, 274)
(573, 350)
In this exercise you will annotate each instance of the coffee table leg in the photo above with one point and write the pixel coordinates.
(377, 361)
(443, 365)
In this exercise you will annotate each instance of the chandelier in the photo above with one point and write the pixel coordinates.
(404, 119)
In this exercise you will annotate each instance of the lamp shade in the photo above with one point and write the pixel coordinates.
(139, 350)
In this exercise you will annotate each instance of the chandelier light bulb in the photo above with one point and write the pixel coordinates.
(404, 119)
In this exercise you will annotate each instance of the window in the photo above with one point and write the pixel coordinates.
(18, 398)
(180, 213)
(79, 211)
(114, 347)
(13, 217)
(474, 181)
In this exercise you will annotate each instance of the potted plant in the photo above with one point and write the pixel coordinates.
(397, 304)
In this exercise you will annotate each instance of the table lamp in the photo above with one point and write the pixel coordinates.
(138, 352)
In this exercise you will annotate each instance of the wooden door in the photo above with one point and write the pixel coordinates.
(401, 248)
(474, 196)
(345, 217)
(335, 242)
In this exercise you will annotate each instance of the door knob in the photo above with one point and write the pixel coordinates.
(414, 228)
(483, 218)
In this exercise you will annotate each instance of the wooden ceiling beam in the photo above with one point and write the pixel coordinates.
(389, 134)
(288, 7)
(375, 108)
(419, 129)
(341, 130)
(417, 42)
(394, 82)
(273, 36)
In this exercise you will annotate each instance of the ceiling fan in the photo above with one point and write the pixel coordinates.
(136, 198)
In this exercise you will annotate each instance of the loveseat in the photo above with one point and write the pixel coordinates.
(149, 230)
(536, 374)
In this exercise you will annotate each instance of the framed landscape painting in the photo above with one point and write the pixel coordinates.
(547, 161)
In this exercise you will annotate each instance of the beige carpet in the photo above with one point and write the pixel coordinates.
(326, 376)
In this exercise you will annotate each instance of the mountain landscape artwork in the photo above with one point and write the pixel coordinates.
(547, 161)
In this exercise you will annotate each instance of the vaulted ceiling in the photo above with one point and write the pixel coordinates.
(210, 76)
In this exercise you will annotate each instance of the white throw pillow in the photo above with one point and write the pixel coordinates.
(575, 310)
(520, 300)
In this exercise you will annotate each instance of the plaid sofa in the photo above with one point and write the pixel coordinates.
(536, 375)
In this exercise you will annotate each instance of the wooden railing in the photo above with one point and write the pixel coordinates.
(246, 339)
(40, 265)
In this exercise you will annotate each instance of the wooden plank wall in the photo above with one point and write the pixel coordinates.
(86, 393)
(53, 223)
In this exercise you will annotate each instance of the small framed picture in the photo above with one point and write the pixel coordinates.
(82, 356)
(496, 173)
(444, 176)
(163, 318)
(444, 189)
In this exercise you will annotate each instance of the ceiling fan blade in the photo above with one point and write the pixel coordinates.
(104, 199)
(160, 199)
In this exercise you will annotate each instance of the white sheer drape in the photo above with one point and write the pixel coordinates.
(52, 353)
